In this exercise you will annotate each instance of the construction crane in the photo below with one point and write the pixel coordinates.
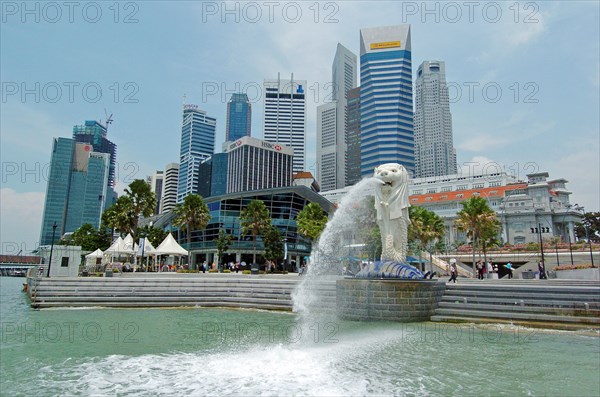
(109, 119)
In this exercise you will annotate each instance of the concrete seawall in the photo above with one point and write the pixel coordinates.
(565, 304)
(259, 292)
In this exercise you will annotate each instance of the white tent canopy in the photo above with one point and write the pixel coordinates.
(121, 246)
(116, 247)
(128, 243)
(169, 247)
(148, 248)
(96, 254)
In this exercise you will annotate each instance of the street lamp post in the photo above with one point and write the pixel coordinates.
(541, 242)
(51, 248)
(587, 231)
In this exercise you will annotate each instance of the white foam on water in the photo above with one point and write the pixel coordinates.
(349, 367)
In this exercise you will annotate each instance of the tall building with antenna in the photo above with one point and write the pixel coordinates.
(197, 144)
(78, 189)
(285, 116)
(331, 123)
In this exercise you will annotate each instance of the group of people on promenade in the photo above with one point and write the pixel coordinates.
(490, 268)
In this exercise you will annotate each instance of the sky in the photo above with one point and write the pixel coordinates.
(523, 81)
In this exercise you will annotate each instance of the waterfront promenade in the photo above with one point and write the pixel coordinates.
(554, 303)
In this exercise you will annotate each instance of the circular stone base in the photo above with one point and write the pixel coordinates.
(388, 299)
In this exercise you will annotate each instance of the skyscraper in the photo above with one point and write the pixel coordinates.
(353, 137)
(197, 144)
(77, 188)
(331, 126)
(328, 146)
(386, 106)
(156, 182)
(285, 116)
(434, 150)
(255, 164)
(239, 117)
(94, 133)
(169, 192)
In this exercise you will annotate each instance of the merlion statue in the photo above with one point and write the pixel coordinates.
(391, 204)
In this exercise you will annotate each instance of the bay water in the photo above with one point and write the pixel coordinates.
(200, 351)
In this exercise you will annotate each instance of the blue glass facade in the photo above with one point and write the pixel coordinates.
(57, 190)
(197, 144)
(386, 103)
(283, 204)
(219, 174)
(77, 188)
(94, 133)
(239, 117)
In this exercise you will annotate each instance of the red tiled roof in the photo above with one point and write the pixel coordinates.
(19, 259)
(303, 175)
(460, 195)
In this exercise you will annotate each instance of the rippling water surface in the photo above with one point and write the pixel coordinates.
(193, 352)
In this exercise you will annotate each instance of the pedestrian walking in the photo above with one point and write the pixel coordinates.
(508, 267)
(453, 270)
(479, 267)
(542, 270)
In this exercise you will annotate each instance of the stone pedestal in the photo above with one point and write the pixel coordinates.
(388, 300)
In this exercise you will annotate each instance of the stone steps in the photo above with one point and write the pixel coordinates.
(140, 291)
(519, 309)
(533, 303)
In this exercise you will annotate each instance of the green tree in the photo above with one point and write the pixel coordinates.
(255, 219)
(143, 201)
(475, 218)
(119, 216)
(311, 221)
(223, 243)
(88, 238)
(589, 227)
(273, 244)
(489, 237)
(373, 245)
(154, 234)
(425, 227)
(193, 214)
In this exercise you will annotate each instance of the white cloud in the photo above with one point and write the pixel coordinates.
(582, 169)
(478, 165)
(21, 215)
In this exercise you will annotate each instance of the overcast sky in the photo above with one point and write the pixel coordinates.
(523, 79)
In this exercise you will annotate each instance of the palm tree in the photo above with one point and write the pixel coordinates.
(489, 237)
(192, 213)
(476, 219)
(274, 248)
(119, 216)
(223, 242)
(255, 219)
(143, 201)
(425, 226)
(311, 221)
